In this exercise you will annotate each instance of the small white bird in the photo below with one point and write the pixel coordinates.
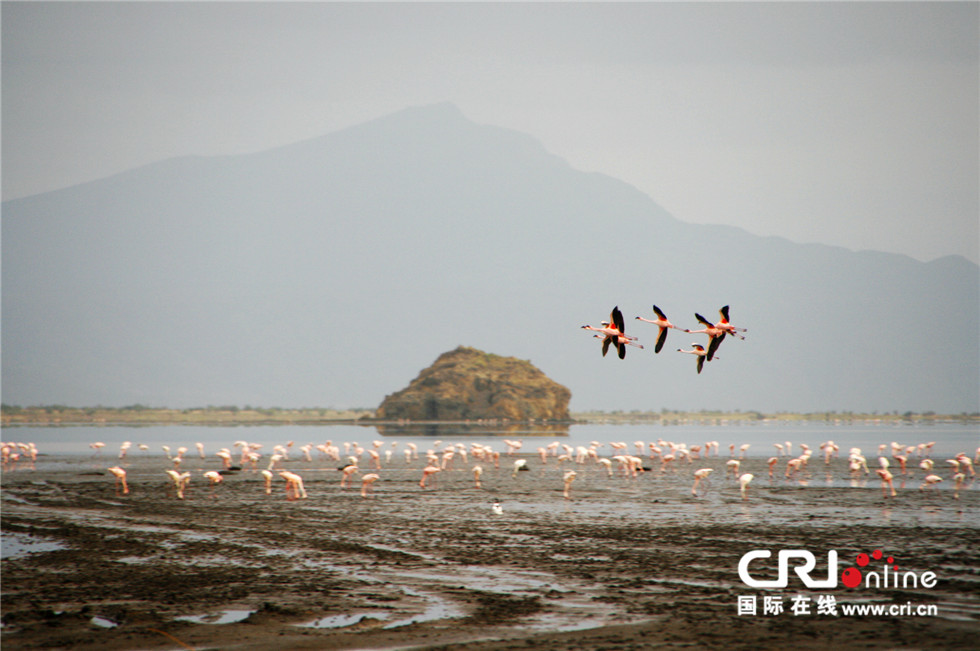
(496, 508)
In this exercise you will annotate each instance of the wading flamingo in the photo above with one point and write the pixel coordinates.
(348, 474)
(367, 483)
(886, 479)
(700, 476)
(959, 478)
(180, 479)
(427, 472)
(520, 464)
(664, 325)
(267, 474)
(477, 471)
(568, 478)
(743, 483)
(294, 485)
(120, 479)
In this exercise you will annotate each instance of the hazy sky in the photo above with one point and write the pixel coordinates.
(844, 123)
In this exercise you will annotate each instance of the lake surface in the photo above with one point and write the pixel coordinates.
(949, 438)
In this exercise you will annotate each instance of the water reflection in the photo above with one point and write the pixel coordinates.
(471, 429)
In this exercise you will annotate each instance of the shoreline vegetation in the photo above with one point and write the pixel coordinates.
(136, 415)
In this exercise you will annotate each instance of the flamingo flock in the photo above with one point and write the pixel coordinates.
(585, 467)
(613, 334)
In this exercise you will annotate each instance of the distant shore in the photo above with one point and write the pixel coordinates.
(136, 415)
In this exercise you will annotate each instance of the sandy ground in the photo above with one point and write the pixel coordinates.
(626, 563)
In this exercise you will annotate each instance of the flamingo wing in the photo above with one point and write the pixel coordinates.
(617, 319)
(661, 339)
(703, 320)
(659, 313)
(700, 363)
(622, 348)
(605, 345)
(724, 314)
(713, 346)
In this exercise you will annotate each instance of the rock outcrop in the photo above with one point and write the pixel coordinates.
(469, 384)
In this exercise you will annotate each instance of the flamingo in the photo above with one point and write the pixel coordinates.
(294, 485)
(367, 482)
(519, 465)
(180, 479)
(120, 479)
(743, 483)
(959, 478)
(664, 325)
(886, 478)
(427, 472)
(612, 331)
(348, 476)
(699, 351)
(620, 340)
(267, 474)
(716, 334)
(728, 327)
(700, 476)
(568, 478)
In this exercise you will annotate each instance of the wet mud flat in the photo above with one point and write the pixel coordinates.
(626, 563)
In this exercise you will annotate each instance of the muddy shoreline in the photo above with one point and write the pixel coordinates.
(626, 563)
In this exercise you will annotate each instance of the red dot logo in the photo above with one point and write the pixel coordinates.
(851, 577)
(863, 560)
(876, 554)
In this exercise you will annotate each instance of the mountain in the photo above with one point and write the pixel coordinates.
(327, 272)
(469, 384)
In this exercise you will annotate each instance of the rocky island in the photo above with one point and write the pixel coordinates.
(469, 384)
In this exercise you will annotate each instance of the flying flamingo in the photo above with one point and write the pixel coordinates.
(612, 331)
(120, 479)
(728, 327)
(664, 325)
(716, 334)
(620, 340)
(699, 351)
